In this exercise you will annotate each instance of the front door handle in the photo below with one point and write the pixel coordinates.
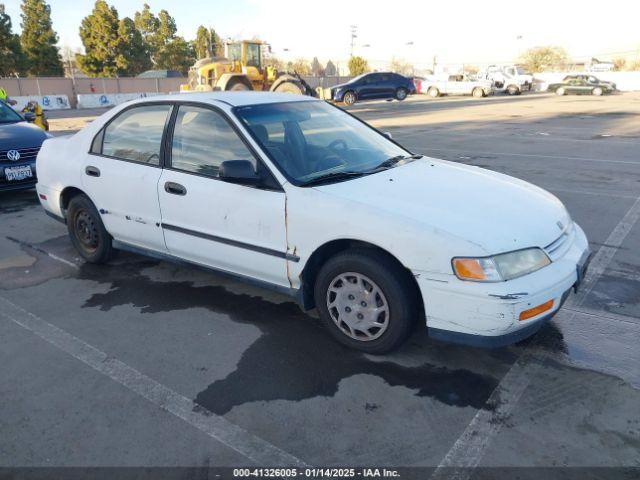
(175, 188)
(92, 171)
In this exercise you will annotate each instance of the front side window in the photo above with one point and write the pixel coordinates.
(309, 139)
(7, 114)
(253, 55)
(202, 140)
(136, 134)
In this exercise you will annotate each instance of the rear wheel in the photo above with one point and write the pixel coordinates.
(401, 94)
(433, 92)
(477, 92)
(87, 232)
(349, 98)
(238, 87)
(365, 300)
(513, 90)
(596, 91)
(290, 87)
(560, 91)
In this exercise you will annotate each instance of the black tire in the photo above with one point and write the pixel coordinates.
(238, 87)
(597, 91)
(87, 232)
(389, 278)
(401, 94)
(513, 90)
(433, 92)
(349, 98)
(295, 88)
(477, 92)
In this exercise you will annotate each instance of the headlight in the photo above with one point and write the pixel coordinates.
(500, 268)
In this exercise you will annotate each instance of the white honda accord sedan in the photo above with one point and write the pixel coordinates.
(297, 195)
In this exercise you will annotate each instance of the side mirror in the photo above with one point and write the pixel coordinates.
(388, 135)
(30, 116)
(238, 171)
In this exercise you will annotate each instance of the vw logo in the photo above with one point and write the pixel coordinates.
(13, 155)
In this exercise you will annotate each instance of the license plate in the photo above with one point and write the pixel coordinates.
(14, 174)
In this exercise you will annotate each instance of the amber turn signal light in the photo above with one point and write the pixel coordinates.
(532, 312)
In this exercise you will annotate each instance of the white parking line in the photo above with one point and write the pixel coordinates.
(534, 155)
(469, 449)
(253, 448)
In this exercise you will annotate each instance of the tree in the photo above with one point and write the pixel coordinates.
(207, 43)
(316, 68)
(401, 66)
(619, 64)
(177, 55)
(38, 39)
(147, 24)
(99, 32)
(538, 59)
(12, 61)
(357, 66)
(133, 55)
(300, 66)
(330, 69)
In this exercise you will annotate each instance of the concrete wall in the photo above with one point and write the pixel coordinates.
(38, 87)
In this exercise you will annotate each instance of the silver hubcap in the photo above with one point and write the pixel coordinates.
(401, 94)
(357, 306)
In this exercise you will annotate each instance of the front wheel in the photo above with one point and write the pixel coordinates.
(349, 98)
(433, 92)
(596, 91)
(477, 92)
(513, 90)
(365, 301)
(401, 94)
(560, 91)
(87, 232)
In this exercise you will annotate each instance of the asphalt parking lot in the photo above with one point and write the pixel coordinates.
(145, 363)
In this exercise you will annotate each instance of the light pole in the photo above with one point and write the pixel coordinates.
(354, 35)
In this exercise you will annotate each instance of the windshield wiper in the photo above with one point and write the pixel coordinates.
(390, 162)
(327, 177)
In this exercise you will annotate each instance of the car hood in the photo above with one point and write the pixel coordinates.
(20, 135)
(493, 211)
(340, 85)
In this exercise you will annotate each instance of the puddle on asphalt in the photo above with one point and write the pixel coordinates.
(293, 359)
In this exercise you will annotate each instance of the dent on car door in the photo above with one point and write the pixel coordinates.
(121, 174)
(234, 227)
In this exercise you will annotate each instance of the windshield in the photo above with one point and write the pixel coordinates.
(308, 140)
(7, 114)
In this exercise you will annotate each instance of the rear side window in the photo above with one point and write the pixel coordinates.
(202, 140)
(136, 134)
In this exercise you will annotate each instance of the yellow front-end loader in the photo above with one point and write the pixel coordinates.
(243, 68)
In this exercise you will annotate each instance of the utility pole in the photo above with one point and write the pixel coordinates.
(354, 35)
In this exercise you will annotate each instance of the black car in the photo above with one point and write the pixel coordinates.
(369, 86)
(581, 85)
(20, 142)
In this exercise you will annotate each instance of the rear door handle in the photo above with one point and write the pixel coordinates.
(92, 171)
(174, 188)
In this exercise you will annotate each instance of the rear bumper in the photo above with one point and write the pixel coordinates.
(487, 314)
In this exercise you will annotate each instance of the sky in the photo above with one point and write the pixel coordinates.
(464, 31)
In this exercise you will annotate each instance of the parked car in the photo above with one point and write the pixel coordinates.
(589, 79)
(581, 85)
(295, 194)
(20, 141)
(371, 86)
(511, 79)
(456, 85)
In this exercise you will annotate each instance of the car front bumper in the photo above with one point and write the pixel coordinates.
(20, 184)
(487, 314)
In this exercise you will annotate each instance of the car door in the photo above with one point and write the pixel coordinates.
(368, 88)
(385, 87)
(232, 227)
(121, 174)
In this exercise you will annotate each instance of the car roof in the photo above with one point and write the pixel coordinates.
(235, 99)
